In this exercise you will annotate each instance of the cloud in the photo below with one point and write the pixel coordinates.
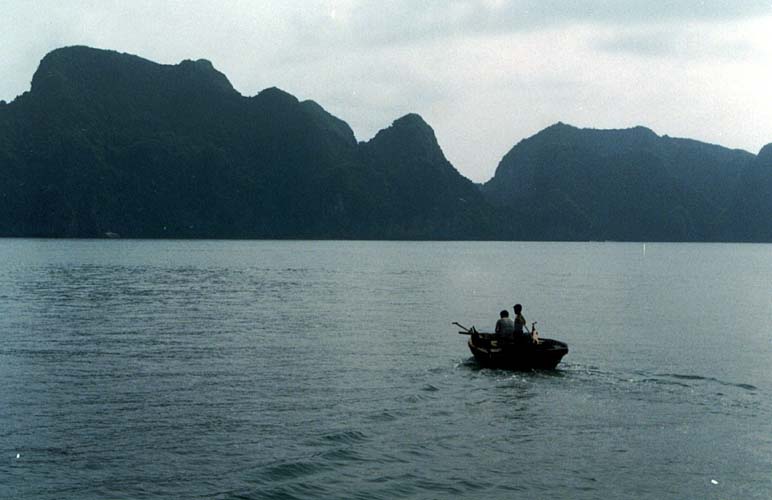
(408, 21)
(683, 43)
(634, 12)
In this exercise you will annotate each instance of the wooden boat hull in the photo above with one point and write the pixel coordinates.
(491, 352)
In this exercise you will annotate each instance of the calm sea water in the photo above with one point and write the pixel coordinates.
(222, 369)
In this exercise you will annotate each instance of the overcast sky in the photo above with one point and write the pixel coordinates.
(483, 73)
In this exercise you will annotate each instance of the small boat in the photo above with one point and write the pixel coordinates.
(491, 351)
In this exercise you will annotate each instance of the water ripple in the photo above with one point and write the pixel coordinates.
(320, 370)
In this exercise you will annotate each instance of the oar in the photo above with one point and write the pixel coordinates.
(466, 330)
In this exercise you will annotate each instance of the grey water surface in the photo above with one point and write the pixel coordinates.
(307, 369)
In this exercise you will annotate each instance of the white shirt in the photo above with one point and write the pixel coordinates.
(505, 327)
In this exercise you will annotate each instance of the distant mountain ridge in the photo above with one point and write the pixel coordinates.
(629, 184)
(111, 143)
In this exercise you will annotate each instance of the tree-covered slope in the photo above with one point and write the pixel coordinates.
(112, 143)
(570, 183)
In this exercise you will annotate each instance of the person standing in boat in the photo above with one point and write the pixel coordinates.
(520, 331)
(505, 327)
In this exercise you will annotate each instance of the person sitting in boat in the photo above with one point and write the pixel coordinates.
(520, 332)
(505, 327)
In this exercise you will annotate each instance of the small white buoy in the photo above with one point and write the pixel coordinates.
(713, 481)
(17, 456)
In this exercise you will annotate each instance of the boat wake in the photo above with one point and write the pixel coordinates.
(706, 392)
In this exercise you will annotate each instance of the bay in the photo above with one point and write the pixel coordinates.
(330, 369)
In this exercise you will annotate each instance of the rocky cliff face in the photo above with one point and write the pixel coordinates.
(419, 188)
(630, 184)
(112, 143)
(764, 157)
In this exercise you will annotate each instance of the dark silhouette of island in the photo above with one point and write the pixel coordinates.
(110, 144)
(584, 184)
